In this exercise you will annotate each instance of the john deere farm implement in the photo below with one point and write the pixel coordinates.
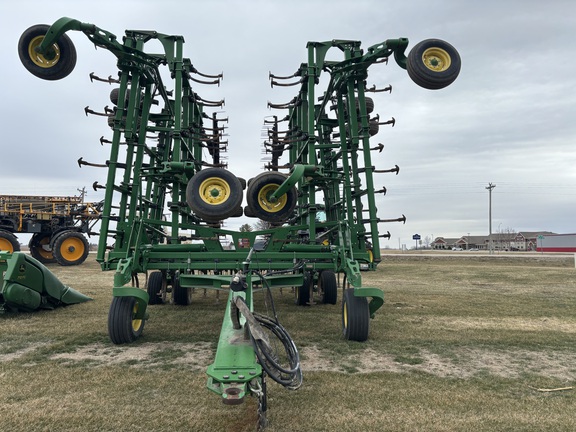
(168, 191)
(26, 285)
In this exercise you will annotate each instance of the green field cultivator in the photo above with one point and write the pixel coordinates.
(168, 190)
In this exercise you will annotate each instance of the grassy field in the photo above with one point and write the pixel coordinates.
(462, 343)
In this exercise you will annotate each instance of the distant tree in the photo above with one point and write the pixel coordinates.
(510, 235)
(262, 225)
(246, 228)
(505, 237)
(427, 241)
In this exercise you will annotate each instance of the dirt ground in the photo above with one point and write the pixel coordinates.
(464, 363)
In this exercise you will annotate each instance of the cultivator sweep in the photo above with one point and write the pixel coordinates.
(168, 190)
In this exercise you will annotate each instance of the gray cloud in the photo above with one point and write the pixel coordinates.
(508, 119)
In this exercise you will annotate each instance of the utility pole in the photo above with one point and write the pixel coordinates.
(82, 193)
(490, 187)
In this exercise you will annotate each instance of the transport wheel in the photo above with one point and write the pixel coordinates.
(115, 96)
(370, 255)
(70, 248)
(56, 63)
(123, 327)
(258, 195)
(214, 194)
(248, 212)
(328, 286)
(433, 64)
(373, 127)
(154, 287)
(303, 291)
(8, 242)
(355, 317)
(182, 296)
(369, 105)
(110, 120)
(238, 213)
(39, 246)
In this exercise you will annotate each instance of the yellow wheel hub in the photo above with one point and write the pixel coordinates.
(72, 249)
(436, 59)
(136, 323)
(5, 245)
(214, 191)
(38, 59)
(345, 316)
(266, 203)
(43, 248)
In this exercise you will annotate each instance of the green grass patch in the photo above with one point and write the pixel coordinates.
(460, 344)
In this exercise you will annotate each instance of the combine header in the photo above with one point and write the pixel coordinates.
(26, 285)
(317, 193)
(58, 225)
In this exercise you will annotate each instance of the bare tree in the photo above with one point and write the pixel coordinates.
(509, 235)
(427, 241)
(245, 228)
(505, 238)
(262, 225)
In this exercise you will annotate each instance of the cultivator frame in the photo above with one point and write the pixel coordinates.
(166, 154)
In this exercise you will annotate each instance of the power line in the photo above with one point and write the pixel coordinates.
(474, 188)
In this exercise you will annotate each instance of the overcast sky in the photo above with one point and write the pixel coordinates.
(509, 119)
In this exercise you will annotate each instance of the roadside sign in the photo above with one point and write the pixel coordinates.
(416, 237)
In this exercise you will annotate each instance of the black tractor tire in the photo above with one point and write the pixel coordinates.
(114, 96)
(373, 127)
(369, 105)
(242, 182)
(302, 292)
(433, 64)
(259, 190)
(8, 242)
(51, 69)
(355, 317)
(248, 212)
(154, 287)
(214, 194)
(328, 286)
(70, 248)
(181, 296)
(39, 246)
(123, 327)
(238, 213)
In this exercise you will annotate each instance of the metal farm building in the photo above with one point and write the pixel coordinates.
(556, 243)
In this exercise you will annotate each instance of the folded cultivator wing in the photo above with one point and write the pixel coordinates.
(167, 191)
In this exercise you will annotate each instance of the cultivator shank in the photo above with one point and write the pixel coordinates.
(168, 189)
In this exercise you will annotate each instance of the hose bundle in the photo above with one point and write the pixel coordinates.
(283, 366)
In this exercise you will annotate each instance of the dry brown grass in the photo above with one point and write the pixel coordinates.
(460, 344)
